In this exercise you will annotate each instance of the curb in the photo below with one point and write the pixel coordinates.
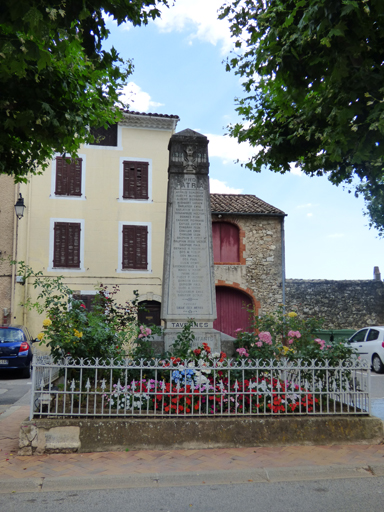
(179, 479)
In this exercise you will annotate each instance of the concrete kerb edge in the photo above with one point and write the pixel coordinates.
(179, 479)
(87, 435)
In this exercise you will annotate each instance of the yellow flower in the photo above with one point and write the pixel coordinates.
(292, 314)
(47, 322)
(40, 336)
(77, 333)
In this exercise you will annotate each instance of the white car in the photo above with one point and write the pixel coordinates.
(369, 343)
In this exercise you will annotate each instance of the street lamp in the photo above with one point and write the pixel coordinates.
(20, 207)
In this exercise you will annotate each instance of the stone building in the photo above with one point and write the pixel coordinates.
(248, 246)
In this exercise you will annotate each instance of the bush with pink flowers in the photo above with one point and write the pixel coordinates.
(287, 335)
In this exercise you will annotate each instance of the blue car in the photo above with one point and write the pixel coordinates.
(15, 349)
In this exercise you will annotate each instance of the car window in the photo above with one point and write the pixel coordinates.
(373, 335)
(359, 336)
(11, 335)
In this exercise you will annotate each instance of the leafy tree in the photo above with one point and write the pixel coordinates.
(313, 74)
(56, 81)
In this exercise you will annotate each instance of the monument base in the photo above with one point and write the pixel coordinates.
(218, 341)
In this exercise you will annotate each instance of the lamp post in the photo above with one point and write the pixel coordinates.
(20, 207)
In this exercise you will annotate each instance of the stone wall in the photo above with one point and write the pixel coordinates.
(7, 219)
(260, 270)
(342, 304)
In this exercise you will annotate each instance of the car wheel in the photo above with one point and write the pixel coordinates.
(26, 373)
(377, 364)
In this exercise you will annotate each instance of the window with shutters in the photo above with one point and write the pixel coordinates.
(225, 238)
(68, 176)
(134, 247)
(66, 245)
(135, 185)
(88, 299)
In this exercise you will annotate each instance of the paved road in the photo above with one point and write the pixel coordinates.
(12, 389)
(336, 495)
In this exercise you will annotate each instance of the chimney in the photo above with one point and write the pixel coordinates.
(376, 274)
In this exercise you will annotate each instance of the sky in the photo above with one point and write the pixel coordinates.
(179, 68)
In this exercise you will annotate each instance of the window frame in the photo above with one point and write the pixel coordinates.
(121, 179)
(120, 268)
(119, 146)
(50, 267)
(83, 175)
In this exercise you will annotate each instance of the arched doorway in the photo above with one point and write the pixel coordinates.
(149, 312)
(232, 310)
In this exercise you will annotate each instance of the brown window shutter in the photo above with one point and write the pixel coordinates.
(74, 177)
(135, 247)
(68, 176)
(73, 251)
(61, 177)
(142, 181)
(141, 247)
(60, 243)
(135, 180)
(66, 251)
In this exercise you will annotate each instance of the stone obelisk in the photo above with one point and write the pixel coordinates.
(188, 278)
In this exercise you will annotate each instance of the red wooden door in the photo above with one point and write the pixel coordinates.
(232, 314)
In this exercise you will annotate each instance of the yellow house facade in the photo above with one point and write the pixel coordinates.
(101, 218)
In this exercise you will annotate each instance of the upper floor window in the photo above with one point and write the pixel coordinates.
(225, 238)
(66, 245)
(135, 180)
(134, 253)
(68, 176)
(135, 247)
(105, 136)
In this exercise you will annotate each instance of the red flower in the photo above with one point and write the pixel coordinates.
(82, 306)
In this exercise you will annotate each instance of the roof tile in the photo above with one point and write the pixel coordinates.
(242, 203)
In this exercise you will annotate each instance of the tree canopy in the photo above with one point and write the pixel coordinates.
(313, 75)
(56, 81)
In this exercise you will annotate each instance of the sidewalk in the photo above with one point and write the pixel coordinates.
(175, 467)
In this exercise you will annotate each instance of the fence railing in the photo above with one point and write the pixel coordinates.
(163, 388)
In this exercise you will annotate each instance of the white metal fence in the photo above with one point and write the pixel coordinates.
(167, 389)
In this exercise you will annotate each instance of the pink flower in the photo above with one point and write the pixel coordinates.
(321, 343)
(145, 331)
(259, 343)
(290, 341)
(239, 329)
(266, 337)
(243, 352)
(294, 334)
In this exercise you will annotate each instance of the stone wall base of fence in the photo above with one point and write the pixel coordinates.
(97, 435)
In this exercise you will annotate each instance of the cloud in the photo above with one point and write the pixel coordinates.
(137, 99)
(199, 19)
(228, 149)
(309, 214)
(308, 205)
(295, 170)
(336, 235)
(221, 187)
